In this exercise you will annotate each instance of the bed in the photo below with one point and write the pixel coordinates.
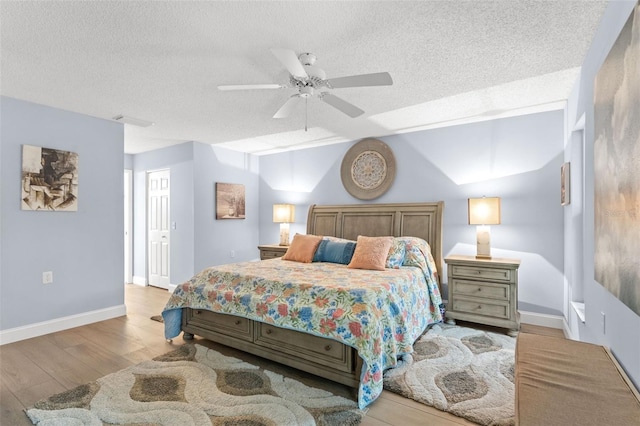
(347, 325)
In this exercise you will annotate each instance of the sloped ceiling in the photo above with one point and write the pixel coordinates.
(163, 61)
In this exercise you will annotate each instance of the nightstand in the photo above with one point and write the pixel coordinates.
(484, 291)
(270, 251)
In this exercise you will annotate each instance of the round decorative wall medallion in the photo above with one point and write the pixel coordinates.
(368, 169)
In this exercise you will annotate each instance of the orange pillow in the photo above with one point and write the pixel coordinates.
(302, 248)
(371, 253)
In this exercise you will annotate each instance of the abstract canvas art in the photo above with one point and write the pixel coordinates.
(617, 167)
(230, 201)
(49, 179)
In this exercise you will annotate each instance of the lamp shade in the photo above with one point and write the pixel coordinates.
(284, 213)
(484, 211)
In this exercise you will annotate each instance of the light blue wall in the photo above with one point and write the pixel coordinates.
(84, 249)
(128, 162)
(517, 159)
(228, 240)
(621, 333)
(198, 240)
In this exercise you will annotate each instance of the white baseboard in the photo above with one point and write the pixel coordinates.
(567, 331)
(139, 280)
(40, 329)
(172, 287)
(543, 320)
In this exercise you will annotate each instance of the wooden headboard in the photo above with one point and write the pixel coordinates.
(422, 220)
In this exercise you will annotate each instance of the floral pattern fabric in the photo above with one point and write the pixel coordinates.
(396, 253)
(379, 313)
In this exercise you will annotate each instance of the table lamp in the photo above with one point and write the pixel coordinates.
(483, 212)
(284, 214)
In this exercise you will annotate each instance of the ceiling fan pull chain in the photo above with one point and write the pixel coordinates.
(306, 112)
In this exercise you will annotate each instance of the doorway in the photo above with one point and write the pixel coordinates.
(158, 190)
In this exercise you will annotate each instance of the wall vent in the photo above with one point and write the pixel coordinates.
(133, 121)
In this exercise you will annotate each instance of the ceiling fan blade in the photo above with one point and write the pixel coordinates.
(249, 86)
(290, 61)
(288, 107)
(375, 79)
(342, 105)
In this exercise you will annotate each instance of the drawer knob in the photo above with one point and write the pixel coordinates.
(198, 312)
(479, 307)
(237, 322)
(268, 331)
(479, 288)
(327, 348)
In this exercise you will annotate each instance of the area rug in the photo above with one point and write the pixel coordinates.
(466, 372)
(194, 385)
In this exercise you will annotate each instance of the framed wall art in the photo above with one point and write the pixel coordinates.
(368, 169)
(616, 173)
(230, 201)
(49, 179)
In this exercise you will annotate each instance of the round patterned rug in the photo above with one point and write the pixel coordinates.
(194, 385)
(466, 372)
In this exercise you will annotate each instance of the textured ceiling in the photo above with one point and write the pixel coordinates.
(163, 61)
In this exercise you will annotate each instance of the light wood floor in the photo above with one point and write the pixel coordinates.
(36, 368)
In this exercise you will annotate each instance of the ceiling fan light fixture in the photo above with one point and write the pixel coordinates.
(306, 92)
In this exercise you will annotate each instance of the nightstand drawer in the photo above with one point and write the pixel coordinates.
(480, 289)
(270, 254)
(497, 274)
(481, 307)
(271, 251)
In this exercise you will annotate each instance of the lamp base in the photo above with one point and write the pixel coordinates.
(284, 234)
(483, 242)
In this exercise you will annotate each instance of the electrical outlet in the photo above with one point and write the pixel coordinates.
(603, 322)
(233, 253)
(47, 277)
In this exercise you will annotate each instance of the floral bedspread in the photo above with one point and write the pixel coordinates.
(380, 313)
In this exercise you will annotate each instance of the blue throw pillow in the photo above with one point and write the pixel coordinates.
(334, 252)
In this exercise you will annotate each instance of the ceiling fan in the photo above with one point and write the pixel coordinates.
(310, 80)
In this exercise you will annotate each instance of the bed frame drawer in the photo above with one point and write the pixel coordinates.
(313, 348)
(229, 325)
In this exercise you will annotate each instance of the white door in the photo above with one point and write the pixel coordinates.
(128, 215)
(158, 228)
